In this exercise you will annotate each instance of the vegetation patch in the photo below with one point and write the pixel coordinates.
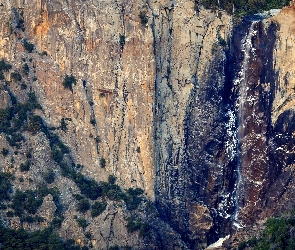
(97, 208)
(122, 40)
(82, 222)
(32, 219)
(278, 234)
(244, 7)
(114, 192)
(5, 185)
(102, 162)
(49, 176)
(4, 152)
(28, 46)
(16, 76)
(63, 125)
(46, 239)
(88, 187)
(31, 200)
(24, 167)
(136, 225)
(83, 205)
(4, 66)
(69, 81)
(26, 69)
(57, 221)
(143, 17)
(14, 119)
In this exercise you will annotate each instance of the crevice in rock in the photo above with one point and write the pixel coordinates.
(89, 97)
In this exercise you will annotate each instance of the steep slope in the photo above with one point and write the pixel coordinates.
(169, 98)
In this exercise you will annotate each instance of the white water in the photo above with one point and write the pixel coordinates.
(218, 243)
(241, 83)
(231, 144)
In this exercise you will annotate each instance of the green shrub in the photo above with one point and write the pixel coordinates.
(25, 201)
(57, 221)
(63, 148)
(14, 118)
(136, 225)
(14, 139)
(20, 23)
(116, 194)
(82, 223)
(4, 152)
(16, 76)
(56, 154)
(69, 81)
(97, 208)
(46, 239)
(122, 40)
(135, 191)
(49, 176)
(144, 229)
(23, 86)
(278, 234)
(29, 154)
(28, 46)
(92, 121)
(5, 117)
(126, 248)
(24, 167)
(2, 206)
(83, 205)
(221, 41)
(4, 66)
(65, 169)
(88, 235)
(114, 247)
(143, 17)
(243, 7)
(102, 162)
(78, 197)
(28, 219)
(112, 191)
(32, 102)
(133, 225)
(43, 191)
(112, 179)
(132, 202)
(10, 213)
(35, 124)
(31, 200)
(97, 139)
(89, 188)
(26, 69)
(63, 125)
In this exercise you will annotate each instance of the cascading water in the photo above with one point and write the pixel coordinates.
(240, 82)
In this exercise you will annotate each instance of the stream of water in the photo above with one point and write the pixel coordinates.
(241, 83)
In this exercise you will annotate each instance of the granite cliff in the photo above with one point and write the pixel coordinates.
(176, 118)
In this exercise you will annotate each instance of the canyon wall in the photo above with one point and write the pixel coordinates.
(190, 105)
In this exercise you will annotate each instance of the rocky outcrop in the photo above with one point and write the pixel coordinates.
(177, 100)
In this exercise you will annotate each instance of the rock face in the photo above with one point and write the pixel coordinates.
(177, 100)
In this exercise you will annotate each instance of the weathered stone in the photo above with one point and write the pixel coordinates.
(179, 102)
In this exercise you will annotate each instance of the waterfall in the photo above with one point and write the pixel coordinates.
(240, 82)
